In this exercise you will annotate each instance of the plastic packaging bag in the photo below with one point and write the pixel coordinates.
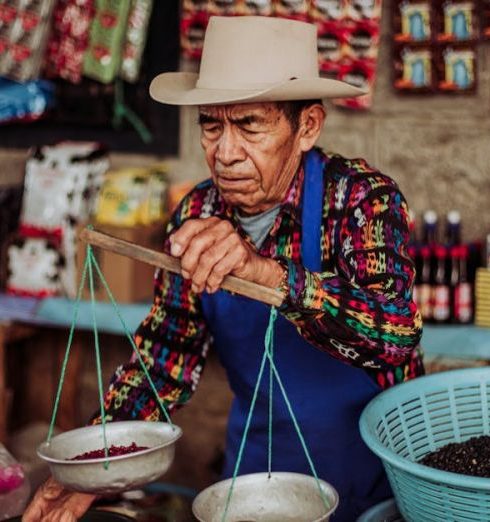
(14, 486)
(133, 196)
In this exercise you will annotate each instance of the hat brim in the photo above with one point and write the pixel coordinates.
(179, 88)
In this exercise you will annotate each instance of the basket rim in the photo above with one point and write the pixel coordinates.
(452, 377)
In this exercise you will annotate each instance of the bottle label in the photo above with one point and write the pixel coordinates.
(463, 308)
(423, 301)
(441, 310)
(415, 295)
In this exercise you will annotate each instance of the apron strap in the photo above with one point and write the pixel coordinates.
(312, 210)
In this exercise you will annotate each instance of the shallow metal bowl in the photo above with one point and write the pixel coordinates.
(124, 471)
(257, 497)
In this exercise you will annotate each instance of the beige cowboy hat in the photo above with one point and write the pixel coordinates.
(252, 59)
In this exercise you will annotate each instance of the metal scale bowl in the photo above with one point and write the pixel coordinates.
(124, 471)
(257, 497)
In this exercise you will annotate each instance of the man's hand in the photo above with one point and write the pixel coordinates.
(53, 503)
(211, 249)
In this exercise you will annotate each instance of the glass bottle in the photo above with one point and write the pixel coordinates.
(453, 228)
(429, 230)
(463, 291)
(441, 295)
(423, 291)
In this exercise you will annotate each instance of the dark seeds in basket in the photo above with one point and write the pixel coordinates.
(471, 457)
(114, 451)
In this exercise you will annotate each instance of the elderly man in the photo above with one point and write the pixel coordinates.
(329, 232)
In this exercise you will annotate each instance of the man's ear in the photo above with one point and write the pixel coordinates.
(311, 124)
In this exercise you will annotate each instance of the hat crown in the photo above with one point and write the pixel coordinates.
(256, 51)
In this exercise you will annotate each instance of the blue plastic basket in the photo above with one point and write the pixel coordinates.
(406, 422)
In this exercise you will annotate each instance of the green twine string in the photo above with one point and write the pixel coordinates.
(268, 354)
(89, 254)
(121, 111)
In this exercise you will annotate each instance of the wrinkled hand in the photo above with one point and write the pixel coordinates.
(210, 249)
(53, 503)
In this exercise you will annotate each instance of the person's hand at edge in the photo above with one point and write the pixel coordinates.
(53, 503)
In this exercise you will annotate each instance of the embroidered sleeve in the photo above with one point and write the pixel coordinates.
(362, 312)
(172, 341)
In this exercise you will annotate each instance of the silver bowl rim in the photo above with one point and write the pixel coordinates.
(281, 474)
(177, 433)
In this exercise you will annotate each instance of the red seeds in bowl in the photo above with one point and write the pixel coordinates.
(113, 451)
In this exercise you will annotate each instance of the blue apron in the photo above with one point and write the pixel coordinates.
(327, 395)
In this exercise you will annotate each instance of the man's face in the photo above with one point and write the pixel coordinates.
(252, 153)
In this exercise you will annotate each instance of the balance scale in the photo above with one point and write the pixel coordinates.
(259, 497)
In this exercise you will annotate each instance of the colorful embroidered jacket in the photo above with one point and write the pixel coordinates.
(358, 309)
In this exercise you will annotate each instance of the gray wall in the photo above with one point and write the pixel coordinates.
(436, 147)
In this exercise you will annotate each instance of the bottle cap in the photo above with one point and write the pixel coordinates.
(430, 217)
(454, 217)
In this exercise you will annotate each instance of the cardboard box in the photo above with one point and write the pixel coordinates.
(130, 281)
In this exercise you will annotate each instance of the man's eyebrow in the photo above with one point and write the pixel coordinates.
(248, 119)
(206, 118)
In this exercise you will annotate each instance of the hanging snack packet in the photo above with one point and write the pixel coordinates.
(102, 59)
(413, 21)
(325, 10)
(331, 41)
(457, 21)
(361, 74)
(24, 38)
(222, 7)
(124, 199)
(457, 69)
(414, 70)
(135, 39)
(254, 7)
(363, 10)
(297, 9)
(192, 29)
(362, 40)
(69, 39)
